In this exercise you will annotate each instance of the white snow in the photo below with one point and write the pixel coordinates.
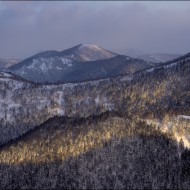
(3, 74)
(58, 97)
(90, 46)
(97, 100)
(183, 117)
(166, 66)
(91, 52)
(5, 79)
(167, 127)
(66, 61)
(103, 100)
(126, 78)
(150, 70)
(45, 64)
(171, 65)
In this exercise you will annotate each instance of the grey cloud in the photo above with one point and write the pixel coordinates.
(28, 27)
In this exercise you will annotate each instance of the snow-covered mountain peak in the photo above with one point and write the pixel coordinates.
(56, 66)
(90, 46)
(91, 52)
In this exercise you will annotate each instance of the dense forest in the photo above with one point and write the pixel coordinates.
(100, 152)
(104, 139)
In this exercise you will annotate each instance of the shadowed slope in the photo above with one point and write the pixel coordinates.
(98, 153)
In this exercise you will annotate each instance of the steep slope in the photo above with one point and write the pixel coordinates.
(4, 63)
(159, 57)
(80, 63)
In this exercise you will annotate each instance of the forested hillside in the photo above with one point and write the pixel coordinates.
(151, 93)
(122, 132)
(106, 151)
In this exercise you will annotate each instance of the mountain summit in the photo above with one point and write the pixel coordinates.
(88, 52)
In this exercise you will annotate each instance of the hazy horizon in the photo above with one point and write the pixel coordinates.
(151, 27)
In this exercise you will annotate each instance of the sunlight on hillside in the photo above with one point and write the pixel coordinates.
(179, 127)
(61, 143)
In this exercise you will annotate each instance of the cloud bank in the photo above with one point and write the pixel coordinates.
(29, 27)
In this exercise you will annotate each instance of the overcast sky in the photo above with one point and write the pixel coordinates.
(29, 27)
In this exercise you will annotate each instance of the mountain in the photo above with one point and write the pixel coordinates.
(26, 105)
(159, 57)
(4, 63)
(117, 133)
(80, 63)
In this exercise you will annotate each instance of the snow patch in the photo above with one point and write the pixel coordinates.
(91, 52)
(166, 127)
(90, 46)
(165, 67)
(97, 100)
(126, 78)
(183, 117)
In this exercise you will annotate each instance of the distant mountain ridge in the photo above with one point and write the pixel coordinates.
(4, 63)
(159, 57)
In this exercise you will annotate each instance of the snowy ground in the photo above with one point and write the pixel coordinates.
(171, 126)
